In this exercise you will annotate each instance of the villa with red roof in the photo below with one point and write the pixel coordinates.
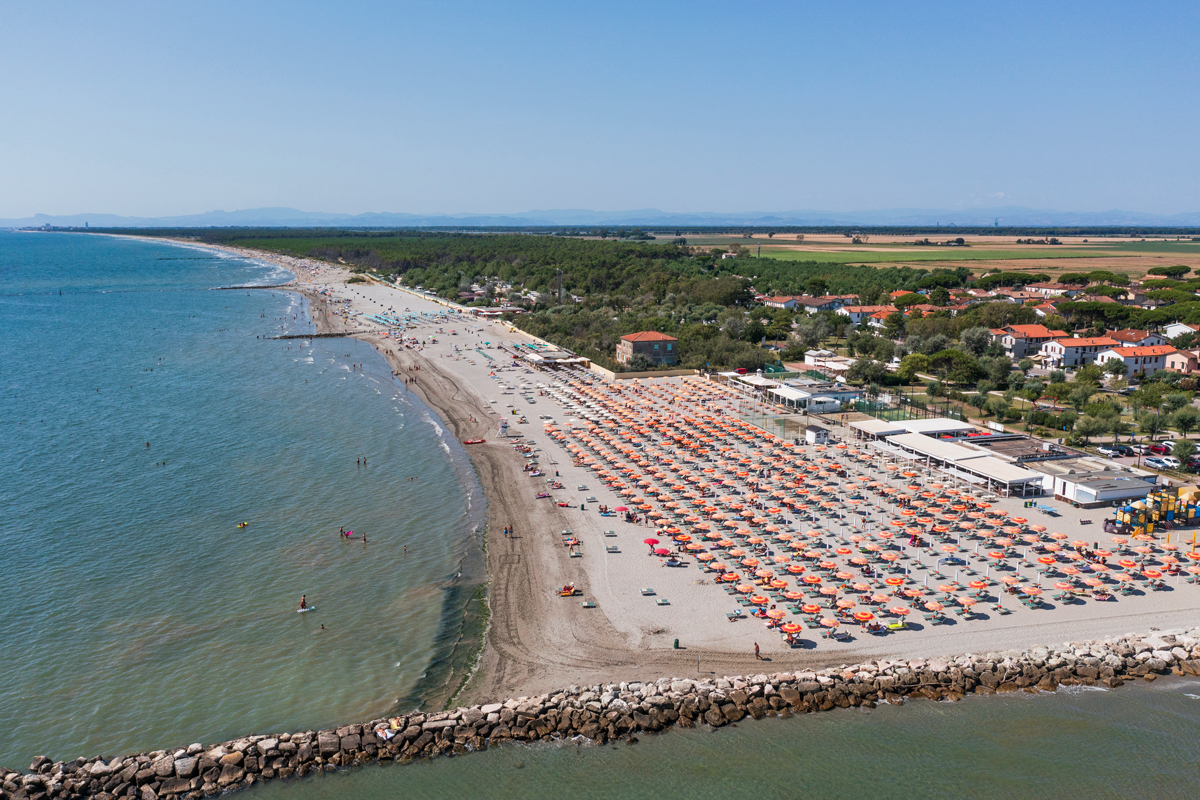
(1077, 352)
(1138, 360)
(661, 349)
(1024, 340)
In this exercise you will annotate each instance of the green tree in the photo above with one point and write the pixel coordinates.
(940, 296)
(894, 324)
(866, 370)
(1080, 396)
(910, 365)
(1186, 420)
(1087, 427)
(1183, 449)
(817, 287)
(1148, 422)
(975, 340)
(1116, 367)
(1176, 400)
(998, 406)
(1171, 272)
(1089, 374)
(978, 400)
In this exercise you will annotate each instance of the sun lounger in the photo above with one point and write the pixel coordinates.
(612, 548)
(588, 604)
(610, 533)
(576, 554)
(897, 626)
(662, 601)
(647, 591)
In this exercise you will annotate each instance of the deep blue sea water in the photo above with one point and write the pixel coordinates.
(134, 612)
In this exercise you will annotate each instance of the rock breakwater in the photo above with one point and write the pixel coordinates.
(601, 714)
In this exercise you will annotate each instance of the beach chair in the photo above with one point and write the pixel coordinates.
(588, 604)
(576, 554)
(647, 591)
(610, 533)
(662, 601)
(897, 626)
(612, 548)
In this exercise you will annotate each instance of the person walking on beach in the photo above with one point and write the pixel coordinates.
(757, 655)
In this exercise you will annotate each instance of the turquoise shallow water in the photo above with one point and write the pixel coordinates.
(134, 613)
(1134, 742)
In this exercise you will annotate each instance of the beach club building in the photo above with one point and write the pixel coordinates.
(1138, 360)
(661, 349)
(1077, 352)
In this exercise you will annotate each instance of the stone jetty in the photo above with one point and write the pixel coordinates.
(601, 714)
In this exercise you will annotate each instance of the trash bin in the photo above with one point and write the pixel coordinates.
(676, 644)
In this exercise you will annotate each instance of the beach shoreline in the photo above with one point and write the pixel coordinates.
(529, 643)
(536, 641)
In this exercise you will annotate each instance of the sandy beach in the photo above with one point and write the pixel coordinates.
(539, 641)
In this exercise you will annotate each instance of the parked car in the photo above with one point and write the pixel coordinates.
(1193, 464)
(1140, 449)
(1115, 450)
(1162, 462)
(1160, 449)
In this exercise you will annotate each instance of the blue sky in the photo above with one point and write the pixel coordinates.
(150, 108)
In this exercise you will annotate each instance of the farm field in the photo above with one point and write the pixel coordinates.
(1075, 254)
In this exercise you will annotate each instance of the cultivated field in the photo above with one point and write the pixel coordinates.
(1075, 254)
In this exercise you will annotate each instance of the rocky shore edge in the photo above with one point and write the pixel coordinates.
(601, 713)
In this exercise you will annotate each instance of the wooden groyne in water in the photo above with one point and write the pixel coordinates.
(600, 713)
(341, 335)
(255, 286)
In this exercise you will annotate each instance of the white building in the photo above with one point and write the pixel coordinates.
(1076, 352)
(1138, 360)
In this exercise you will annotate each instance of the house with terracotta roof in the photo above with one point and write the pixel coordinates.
(858, 313)
(1075, 352)
(784, 301)
(1130, 337)
(1025, 340)
(1048, 289)
(1186, 362)
(661, 349)
(1138, 360)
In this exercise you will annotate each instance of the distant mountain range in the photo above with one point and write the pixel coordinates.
(1011, 216)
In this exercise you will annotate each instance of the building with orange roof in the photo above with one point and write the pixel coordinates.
(661, 349)
(858, 313)
(1075, 352)
(1025, 340)
(1131, 337)
(1138, 360)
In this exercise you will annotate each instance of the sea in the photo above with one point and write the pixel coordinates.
(173, 480)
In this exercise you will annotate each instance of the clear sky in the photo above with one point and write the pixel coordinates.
(152, 108)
